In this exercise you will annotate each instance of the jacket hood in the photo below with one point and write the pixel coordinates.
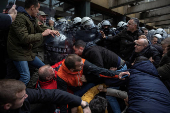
(146, 67)
(22, 10)
(88, 45)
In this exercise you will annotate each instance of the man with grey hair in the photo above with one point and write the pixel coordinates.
(142, 48)
(126, 38)
(42, 18)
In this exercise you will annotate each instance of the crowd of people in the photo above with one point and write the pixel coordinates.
(81, 67)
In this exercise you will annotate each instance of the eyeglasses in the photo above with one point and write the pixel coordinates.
(138, 45)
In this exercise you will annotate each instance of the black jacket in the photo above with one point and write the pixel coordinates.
(126, 40)
(5, 21)
(54, 96)
(148, 52)
(164, 69)
(100, 56)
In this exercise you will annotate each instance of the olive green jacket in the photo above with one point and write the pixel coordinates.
(24, 35)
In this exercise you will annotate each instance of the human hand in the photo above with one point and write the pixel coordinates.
(122, 74)
(126, 101)
(103, 35)
(55, 32)
(102, 89)
(151, 59)
(52, 32)
(83, 78)
(13, 12)
(135, 41)
(40, 23)
(86, 109)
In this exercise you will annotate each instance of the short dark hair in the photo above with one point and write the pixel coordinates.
(98, 104)
(136, 21)
(8, 90)
(70, 61)
(79, 43)
(154, 37)
(140, 58)
(29, 3)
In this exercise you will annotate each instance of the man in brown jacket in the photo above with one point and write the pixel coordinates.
(24, 33)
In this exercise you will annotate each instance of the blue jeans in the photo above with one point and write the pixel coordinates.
(22, 67)
(113, 102)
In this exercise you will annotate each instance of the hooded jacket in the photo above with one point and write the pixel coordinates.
(23, 35)
(146, 92)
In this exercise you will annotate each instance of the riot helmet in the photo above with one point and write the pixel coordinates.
(76, 20)
(62, 24)
(62, 21)
(162, 32)
(99, 25)
(113, 28)
(121, 24)
(87, 23)
(105, 23)
(157, 35)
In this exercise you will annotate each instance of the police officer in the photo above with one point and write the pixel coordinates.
(89, 31)
(108, 31)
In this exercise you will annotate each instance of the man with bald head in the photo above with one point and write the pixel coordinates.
(142, 48)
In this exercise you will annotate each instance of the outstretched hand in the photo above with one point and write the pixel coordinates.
(52, 32)
(13, 12)
(103, 34)
(122, 74)
(101, 88)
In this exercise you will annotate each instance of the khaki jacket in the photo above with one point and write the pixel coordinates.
(24, 34)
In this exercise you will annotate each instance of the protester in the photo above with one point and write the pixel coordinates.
(164, 67)
(104, 58)
(142, 48)
(16, 98)
(23, 34)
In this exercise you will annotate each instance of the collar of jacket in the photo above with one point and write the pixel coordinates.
(145, 49)
(88, 45)
(50, 84)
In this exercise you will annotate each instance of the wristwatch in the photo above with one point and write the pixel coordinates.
(87, 105)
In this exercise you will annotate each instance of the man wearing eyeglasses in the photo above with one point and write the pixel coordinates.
(142, 48)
